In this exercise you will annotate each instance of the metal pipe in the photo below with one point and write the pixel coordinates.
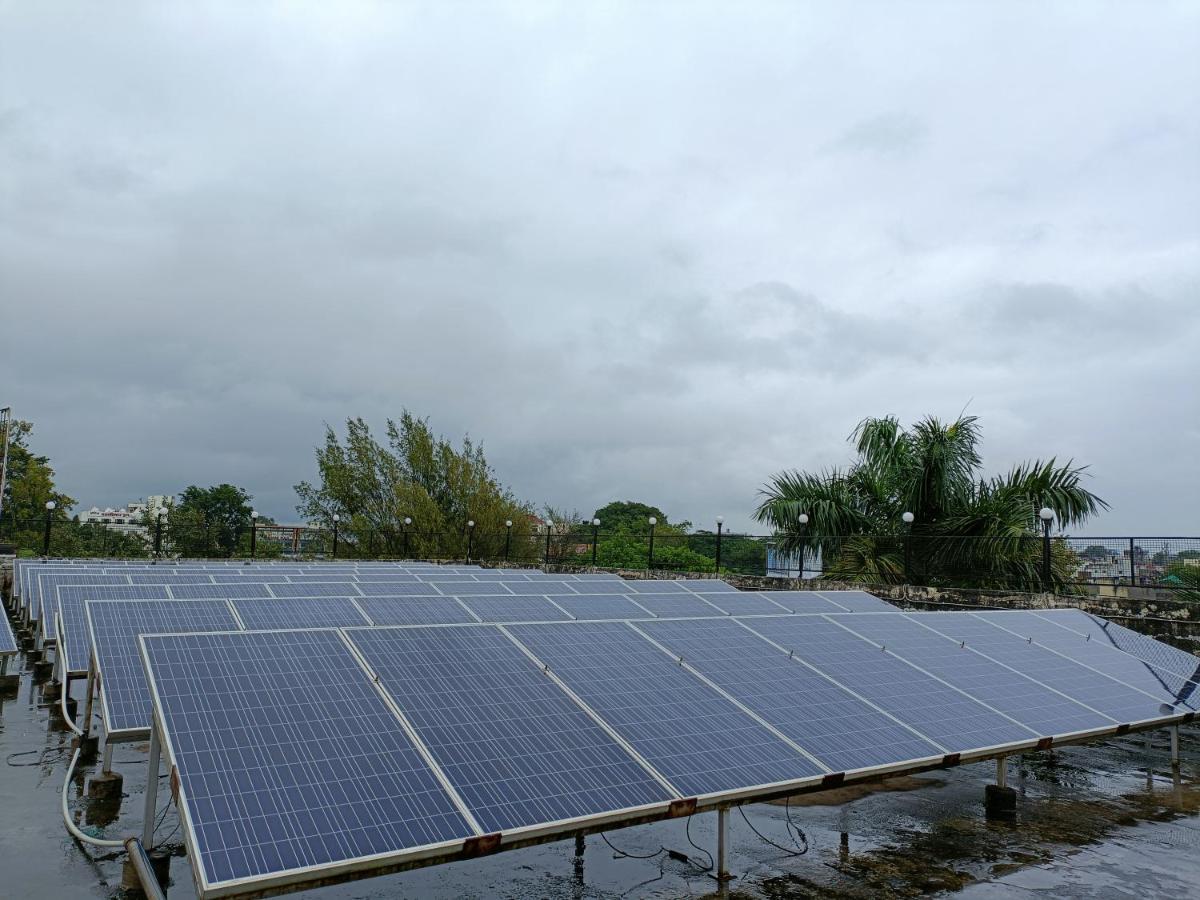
(91, 693)
(1175, 746)
(722, 844)
(151, 791)
(145, 871)
(108, 752)
(1001, 771)
(718, 561)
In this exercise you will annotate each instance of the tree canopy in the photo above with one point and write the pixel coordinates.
(373, 487)
(212, 521)
(966, 526)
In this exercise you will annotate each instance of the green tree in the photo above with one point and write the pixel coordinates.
(28, 486)
(373, 487)
(213, 521)
(968, 530)
(625, 540)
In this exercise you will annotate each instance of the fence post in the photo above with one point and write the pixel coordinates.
(1132, 563)
(720, 527)
(50, 504)
(595, 539)
(650, 554)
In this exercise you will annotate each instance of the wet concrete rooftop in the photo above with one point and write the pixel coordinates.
(1107, 819)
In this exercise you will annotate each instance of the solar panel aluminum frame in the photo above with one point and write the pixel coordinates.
(125, 735)
(376, 864)
(382, 864)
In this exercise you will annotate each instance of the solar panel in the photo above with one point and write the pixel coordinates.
(83, 592)
(166, 577)
(115, 626)
(231, 590)
(656, 586)
(415, 610)
(841, 730)
(598, 606)
(1159, 685)
(937, 710)
(1144, 647)
(676, 605)
(298, 612)
(396, 577)
(858, 601)
(320, 589)
(8, 641)
(747, 603)
(74, 643)
(288, 759)
(542, 588)
(992, 678)
(700, 741)
(517, 749)
(514, 609)
(804, 602)
(44, 606)
(391, 589)
(707, 585)
(588, 586)
(472, 588)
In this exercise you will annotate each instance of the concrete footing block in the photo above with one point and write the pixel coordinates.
(88, 747)
(10, 682)
(1000, 802)
(42, 670)
(105, 786)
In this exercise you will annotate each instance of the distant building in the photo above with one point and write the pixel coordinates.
(129, 518)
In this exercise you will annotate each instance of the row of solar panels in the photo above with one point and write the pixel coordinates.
(304, 755)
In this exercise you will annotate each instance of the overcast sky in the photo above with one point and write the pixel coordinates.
(645, 251)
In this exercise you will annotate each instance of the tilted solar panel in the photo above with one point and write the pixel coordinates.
(707, 585)
(481, 705)
(598, 606)
(298, 612)
(231, 590)
(115, 626)
(746, 603)
(804, 602)
(8, 641)
(321, 589)
(46, 606)
(842, 731)
(700, 741)
(514, 609)
(858, 601)
(288, 759)
(1144, 647)
(677, 605)
(393, 589)
(415, 610)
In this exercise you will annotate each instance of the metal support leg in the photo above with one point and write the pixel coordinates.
(723, 844)
(1175, 746)
(151, 792)
(86, 725)
(1002, 771)
(108, 750)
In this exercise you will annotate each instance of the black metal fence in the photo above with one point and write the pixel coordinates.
(1023, 562)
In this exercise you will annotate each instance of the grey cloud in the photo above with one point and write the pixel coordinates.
(886, 135)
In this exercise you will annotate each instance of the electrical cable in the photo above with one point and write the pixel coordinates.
(799, 838)
(66, 814)
(43, 754)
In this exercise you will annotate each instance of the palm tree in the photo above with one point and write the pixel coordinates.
(966, 529)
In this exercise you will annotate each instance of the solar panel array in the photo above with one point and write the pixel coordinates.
(540, 728)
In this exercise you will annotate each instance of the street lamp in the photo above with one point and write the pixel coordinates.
(507, 537)
(549, 529)
(253, 532)
(162, 520)
(336, 519)
(407, 522)
(907, 518)
(720, 526)
(803, 520)
(470, 537)
(50, 504)
(595, 539)
(650, 556)
(1046, 514)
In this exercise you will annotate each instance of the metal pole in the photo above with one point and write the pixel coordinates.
(6, 415)
(1175, 746)
(470, 541)
(1046, 554)
(803, 542)
(46, 542)
(253, 537)
(908, 554)
(335, 538)
(158, 538)
(406, 542)
(650, 555)
(507, 541)
(722, 844)
(720, 526)
(595, 541)
(547, 559)
(151, 791)
(1001, 771)
(1132, 563)
(86, 725)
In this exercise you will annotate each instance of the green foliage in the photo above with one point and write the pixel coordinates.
(213, 521)
(968, 530)
(28, 487)
(419, 475)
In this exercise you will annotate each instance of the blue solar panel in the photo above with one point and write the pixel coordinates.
(676, 605)
(75, 643)
(299, 612)
(415, 610)
(164, 576)
(858, 601)
(240, 589)
(81, 592)
(320, 589)
(115, 626)
(1157, 686)
(656, 586)
(1039, 707)
(538, 587)
(415, 589)
(829, 722)
(935, 709)
(699, 740)
(599, 606)
(617, 587)
(707, 585)
(472, 588)
(517, 749)
(514, 609)
(1144, 647)
(256, 576)
(46, 603)
(8, 641)
(288, 758)
(804, 602)
(389, 577)
(747, 603)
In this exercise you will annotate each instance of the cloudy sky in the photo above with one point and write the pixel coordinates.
(650, 251)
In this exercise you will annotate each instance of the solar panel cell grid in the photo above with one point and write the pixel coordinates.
(392, 589)
(299, 612)
(415, 610)
(599, 606)
(805, 602)
(676, 605)
(287, 756)
(688, 732)
(1144, 647)
(518, 750)
(858, 601)
(514, 609)
(321, 589)
(746, 603)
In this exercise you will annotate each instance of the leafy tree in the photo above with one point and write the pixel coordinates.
(419, 475)
(968, 530)
(28, 486)
(210, 521)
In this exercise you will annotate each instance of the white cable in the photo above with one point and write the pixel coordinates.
(62, 702)
(79, 835)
